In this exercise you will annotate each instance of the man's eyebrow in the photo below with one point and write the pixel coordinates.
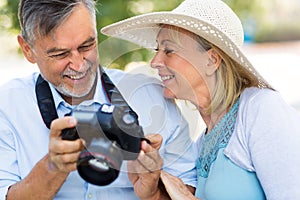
(55, 49)
(90, 39)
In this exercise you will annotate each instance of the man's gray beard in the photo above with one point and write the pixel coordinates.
(64, 91)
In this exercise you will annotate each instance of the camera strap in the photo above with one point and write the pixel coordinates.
(115, 95)
(47, 106)
(45, 101)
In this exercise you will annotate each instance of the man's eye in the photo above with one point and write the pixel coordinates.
(59, 56)
(86, 47)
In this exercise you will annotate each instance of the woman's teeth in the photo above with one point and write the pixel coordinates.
(168, 77)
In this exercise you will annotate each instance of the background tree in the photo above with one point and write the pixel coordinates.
(258, 18)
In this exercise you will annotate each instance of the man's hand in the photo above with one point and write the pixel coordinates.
(145, 171)
(48, 175)
(63, 154)
(155, 140)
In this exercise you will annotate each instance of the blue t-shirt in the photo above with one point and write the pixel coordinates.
(218, 177)
(260, 158)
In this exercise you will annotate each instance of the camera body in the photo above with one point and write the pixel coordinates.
(112, 134)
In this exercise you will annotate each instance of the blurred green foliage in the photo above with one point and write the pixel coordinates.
(110, 11)
(9, 15)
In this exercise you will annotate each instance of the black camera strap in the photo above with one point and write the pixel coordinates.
(115, 96)
(47, 106)
(45, 101)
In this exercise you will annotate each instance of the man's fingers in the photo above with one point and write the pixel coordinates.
(144, 164)
(147, 147)
(149, 162)
(155, 140)
(65, 146)
(65, 162)
(66, 158)
(58, 125)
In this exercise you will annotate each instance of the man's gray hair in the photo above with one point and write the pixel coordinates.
(39, 18)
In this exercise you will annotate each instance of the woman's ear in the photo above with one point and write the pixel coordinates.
(214, 61)
(26, 49)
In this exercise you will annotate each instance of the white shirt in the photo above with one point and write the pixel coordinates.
(24, 138)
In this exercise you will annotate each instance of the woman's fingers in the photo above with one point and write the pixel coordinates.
(175, 187)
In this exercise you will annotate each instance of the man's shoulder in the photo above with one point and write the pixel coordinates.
(17, 89)
(143, 92)
(19, 83)
(135, 82)
(119, 76)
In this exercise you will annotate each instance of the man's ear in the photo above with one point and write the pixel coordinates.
(214, 61)
(26, 49)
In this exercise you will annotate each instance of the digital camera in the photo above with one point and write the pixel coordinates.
(112, 134)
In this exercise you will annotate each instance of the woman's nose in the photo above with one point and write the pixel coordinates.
(157, 61)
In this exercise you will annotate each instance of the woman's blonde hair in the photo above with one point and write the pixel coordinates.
(231, 77)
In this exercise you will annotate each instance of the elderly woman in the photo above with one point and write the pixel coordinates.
(250, 147)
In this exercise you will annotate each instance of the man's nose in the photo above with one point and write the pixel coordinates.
(76, 60)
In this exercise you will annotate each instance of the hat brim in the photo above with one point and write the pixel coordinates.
(143, 30)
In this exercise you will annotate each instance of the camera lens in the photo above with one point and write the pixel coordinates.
(100, 163)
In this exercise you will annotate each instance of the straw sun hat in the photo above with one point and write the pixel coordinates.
(213, 20)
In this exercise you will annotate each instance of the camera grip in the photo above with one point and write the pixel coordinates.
(69, 134)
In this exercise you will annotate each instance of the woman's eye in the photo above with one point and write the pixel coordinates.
(168, 51)
(165, 50)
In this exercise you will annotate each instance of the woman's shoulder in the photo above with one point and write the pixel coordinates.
(253, 100)
(254, 93)
(263, 117)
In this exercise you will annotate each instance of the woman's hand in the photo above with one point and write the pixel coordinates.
(176, 189)
(144, 172)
